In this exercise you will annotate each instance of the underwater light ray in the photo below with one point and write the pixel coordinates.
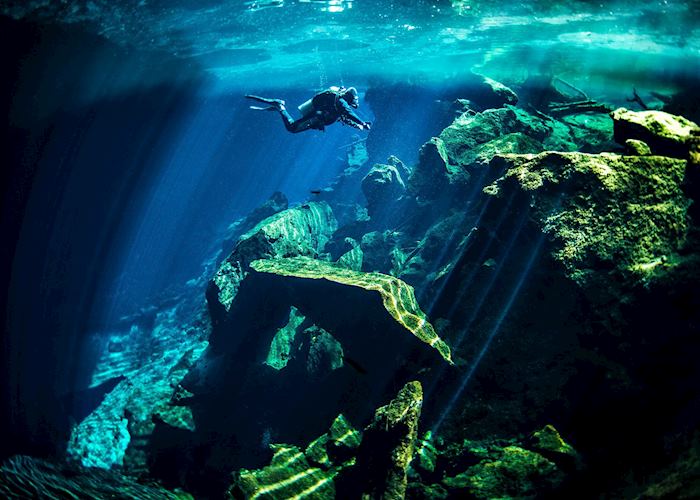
(494, 275)
(469, 279)
(492, 334)
(187, 172)
(471, 198)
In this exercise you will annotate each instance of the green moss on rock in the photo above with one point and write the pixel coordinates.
(548, 440)
(297, 231)
(516, 473)
(336, 446)
(620, 213)
(388, 444)
(308, 474)
(289, 475)
(281, 345)
(666, 134)
(397, 297)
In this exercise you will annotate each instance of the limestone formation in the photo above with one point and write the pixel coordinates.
(382, 186)
(666, 134)
(297, 231)
(397, 297)
(388, 444)
(626, 215)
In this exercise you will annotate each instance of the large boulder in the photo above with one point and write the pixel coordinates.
(388, 444)
(301, 230)
(614, 221)
(382, 186)
(454, 158)
(397, 298)
(470, 130)
(275, 204)
(664, 133)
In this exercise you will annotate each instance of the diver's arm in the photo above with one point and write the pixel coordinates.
(351, 118)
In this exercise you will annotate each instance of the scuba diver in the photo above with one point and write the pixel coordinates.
(327, 107)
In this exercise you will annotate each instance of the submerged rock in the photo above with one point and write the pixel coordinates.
(470, 130)
(636, 147)
(289, 475)
(664, 133)
(513, 473)
(614, 221)
(382, 186)
(397, 297)
(297, 231)
(297, 473)
(388, 444)
(116, 433)
(275, 204)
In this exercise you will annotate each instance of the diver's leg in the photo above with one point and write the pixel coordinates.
(300, 125)
(274, 102)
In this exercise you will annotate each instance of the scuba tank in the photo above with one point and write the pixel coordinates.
(308, 108)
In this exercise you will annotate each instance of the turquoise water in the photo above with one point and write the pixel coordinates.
(197, 300)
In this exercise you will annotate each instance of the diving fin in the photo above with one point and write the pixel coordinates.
(269, 108)
(274, 102)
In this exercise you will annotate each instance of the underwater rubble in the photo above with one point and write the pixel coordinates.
(537, 268)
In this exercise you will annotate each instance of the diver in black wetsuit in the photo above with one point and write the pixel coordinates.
(323, 109)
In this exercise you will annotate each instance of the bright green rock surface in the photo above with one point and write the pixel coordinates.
(388, 444)
(341, 440)
(603, 211)
(548, 439)
(516, 473)
(281, 345)
(289, 476)
(666, 134)
(302, 230)
(297, 474)
(398, 298)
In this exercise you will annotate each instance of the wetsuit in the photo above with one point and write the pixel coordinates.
(327, 107)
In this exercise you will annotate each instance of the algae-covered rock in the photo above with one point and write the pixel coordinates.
(381, 252)
(516, 142)
(275, 204)
(515, 473)
(388, 444)
(614, 221)
(449, 160)
(325, 352)
(432, 173)
(289, 475)
(426, 454)
(590, 132)
(397, 297)
(666, 134)
(636, 147)
(335, 447)
(353, 258)
(548, 440)
(281, 345)
(293, 473)
(382, 186)
(297, 231)
(471, 130)
(117, 431)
